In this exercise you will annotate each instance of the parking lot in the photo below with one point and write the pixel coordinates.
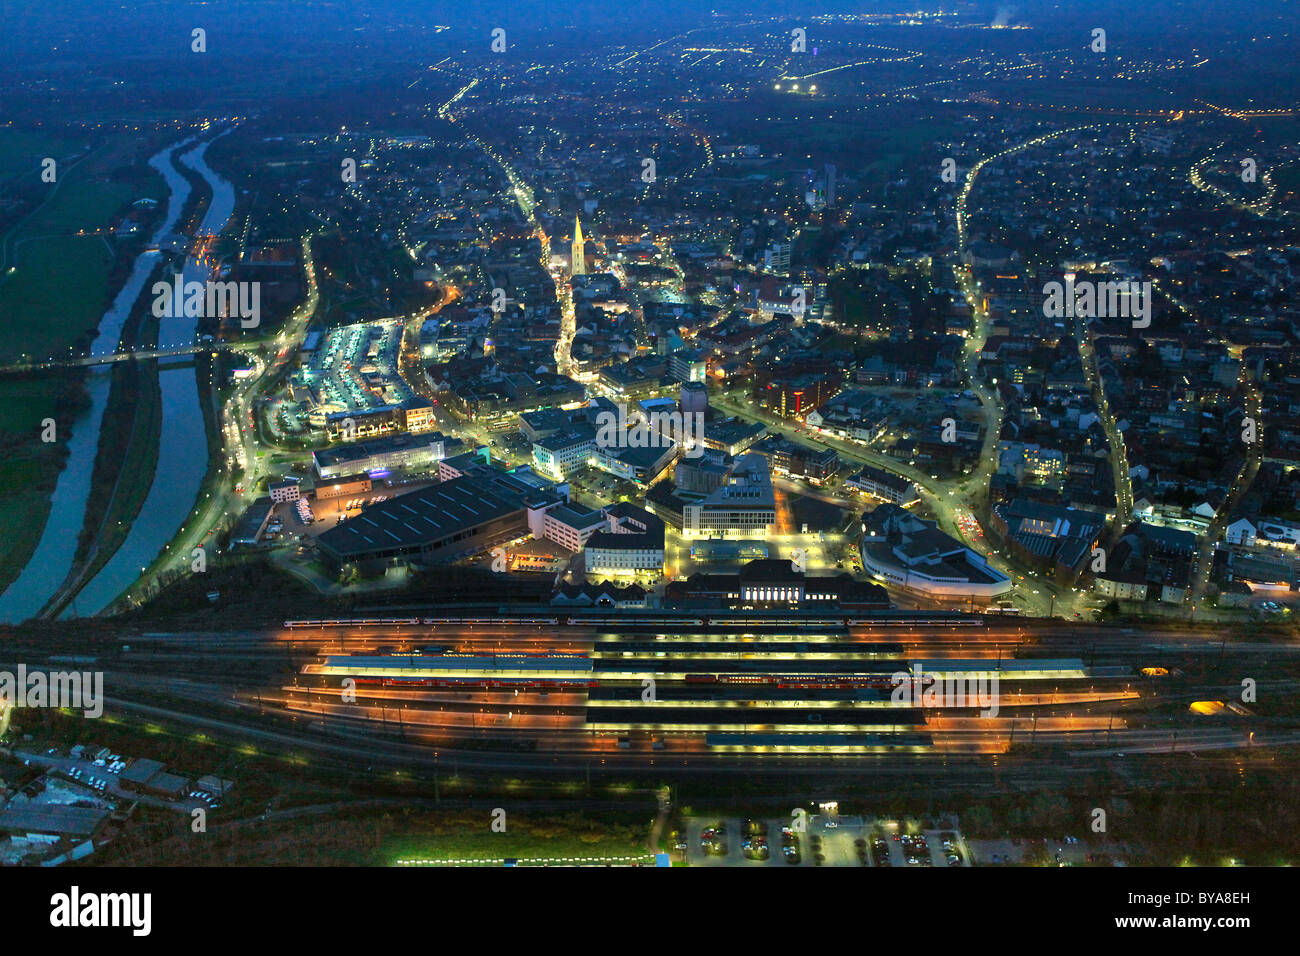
(728, 848)
(601, 485)
(357, 367)
(853, 841)
(102, 776)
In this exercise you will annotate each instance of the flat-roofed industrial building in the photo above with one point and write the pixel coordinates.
(443, 521)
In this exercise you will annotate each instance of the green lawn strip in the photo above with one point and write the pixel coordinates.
(384, 836)
(63, 282)
(125, 466)
(22, 151)
(467, 835)
(53, 300)
(127, 456)
(56, 297)
(212, 484)
(28, 466)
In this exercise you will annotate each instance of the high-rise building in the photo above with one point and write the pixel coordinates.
(688, 365)
(776, 258)
(579, 252)
(694, 398)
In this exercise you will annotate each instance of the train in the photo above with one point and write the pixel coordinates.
(643, 620)
(419, 622)
(480, 683)
(804, 681)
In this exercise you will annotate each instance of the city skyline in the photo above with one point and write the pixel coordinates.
(770, 436)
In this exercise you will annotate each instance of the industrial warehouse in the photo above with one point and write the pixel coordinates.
(452, 518)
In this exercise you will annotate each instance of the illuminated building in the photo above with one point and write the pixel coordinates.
(579, 254)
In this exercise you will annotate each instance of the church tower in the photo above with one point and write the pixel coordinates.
(578, 254)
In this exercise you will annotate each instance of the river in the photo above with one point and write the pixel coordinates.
(183, 453)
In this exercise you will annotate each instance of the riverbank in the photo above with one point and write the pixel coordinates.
(59, 296)
(127, 459)
(182, 472)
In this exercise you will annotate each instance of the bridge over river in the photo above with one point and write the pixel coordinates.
(131, 355)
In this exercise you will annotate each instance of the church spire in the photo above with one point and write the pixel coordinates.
(578, 255)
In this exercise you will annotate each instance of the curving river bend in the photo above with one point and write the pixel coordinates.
(183, 450)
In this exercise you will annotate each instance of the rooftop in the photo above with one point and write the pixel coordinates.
(427, 515)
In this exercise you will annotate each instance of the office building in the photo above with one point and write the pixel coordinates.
(561, 455)
(382, 455)
(632, 542)
(744, 506)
